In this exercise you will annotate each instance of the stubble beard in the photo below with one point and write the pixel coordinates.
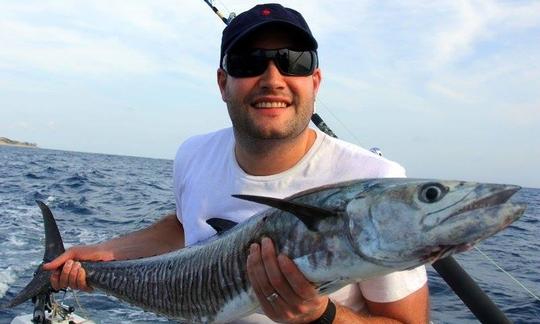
(248, 129)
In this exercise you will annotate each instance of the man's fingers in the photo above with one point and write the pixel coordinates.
(301, 286)
(73, 275)
(59, 261)
(257, 277)
(81, 280)
(64, 275)
(55, 280)
(256, 270)
(277, 280)
(69, 273)
(283, 299)
(313, 304)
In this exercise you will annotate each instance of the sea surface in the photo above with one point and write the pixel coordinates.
(95, 197)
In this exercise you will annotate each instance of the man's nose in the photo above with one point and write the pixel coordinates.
(272, 78)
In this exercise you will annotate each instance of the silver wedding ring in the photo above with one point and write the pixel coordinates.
(272, 298)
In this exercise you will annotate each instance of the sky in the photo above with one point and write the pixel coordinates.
(450, 89)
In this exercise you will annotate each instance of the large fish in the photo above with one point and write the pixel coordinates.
(336, 235)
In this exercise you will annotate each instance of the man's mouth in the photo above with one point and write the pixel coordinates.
(271, 104)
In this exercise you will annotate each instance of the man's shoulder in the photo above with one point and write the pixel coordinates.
(208, 138)
(354, 157)
(204, 148)
(205, 141)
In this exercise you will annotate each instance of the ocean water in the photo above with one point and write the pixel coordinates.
(95, 197)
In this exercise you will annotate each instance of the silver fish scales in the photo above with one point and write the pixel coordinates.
(336, 235)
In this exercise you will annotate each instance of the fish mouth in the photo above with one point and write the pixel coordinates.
(493, 202)
(508, 213)
(494, 198)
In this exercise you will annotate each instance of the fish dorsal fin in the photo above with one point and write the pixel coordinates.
(310, 215)
(53, 241)
(221, 225)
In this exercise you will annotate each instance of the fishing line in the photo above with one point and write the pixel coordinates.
(347, 130)
(83, 310)
(507, 273)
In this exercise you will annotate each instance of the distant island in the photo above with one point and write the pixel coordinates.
(7, 141)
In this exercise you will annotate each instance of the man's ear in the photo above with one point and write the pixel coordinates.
(222, 83)
(317, 78)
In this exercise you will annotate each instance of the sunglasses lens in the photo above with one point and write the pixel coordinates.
(245, 65)
(289, 62)
(295, 63)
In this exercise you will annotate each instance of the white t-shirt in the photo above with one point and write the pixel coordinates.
(206, 174)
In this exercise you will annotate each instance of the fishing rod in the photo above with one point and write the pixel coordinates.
(210, 3)
(448, 268)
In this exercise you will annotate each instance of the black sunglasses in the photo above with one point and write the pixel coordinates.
(255, 62)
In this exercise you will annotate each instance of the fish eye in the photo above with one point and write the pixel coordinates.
(432, 192)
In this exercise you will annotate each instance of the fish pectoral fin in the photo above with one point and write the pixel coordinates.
(221, 225)
(310, 215)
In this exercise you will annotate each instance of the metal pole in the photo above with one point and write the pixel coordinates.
(469, 292)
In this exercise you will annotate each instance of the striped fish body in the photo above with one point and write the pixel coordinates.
(208, 282)
(336, 235)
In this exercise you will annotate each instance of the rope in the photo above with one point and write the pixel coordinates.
(507, 273)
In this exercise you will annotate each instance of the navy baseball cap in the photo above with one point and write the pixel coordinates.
(264, 15)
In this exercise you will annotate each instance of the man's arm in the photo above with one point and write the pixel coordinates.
(298, 302)
(163, 236)
(412, 309)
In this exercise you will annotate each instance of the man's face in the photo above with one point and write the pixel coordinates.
(271, 105)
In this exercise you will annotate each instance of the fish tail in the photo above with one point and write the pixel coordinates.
(54, 246)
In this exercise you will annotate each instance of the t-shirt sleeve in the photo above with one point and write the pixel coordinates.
(178, 208)
(178, 167)
(392, 170)
(394, 286)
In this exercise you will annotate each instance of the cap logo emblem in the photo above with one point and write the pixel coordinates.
(266, 12)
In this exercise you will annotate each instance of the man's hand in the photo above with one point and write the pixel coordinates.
(284, 293)
(165, 235)
(68, 271)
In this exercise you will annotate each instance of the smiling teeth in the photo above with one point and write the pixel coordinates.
(271, 105)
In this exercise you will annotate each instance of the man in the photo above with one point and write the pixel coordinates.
(268, 78)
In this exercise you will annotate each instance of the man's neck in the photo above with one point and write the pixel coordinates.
(267, 157)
